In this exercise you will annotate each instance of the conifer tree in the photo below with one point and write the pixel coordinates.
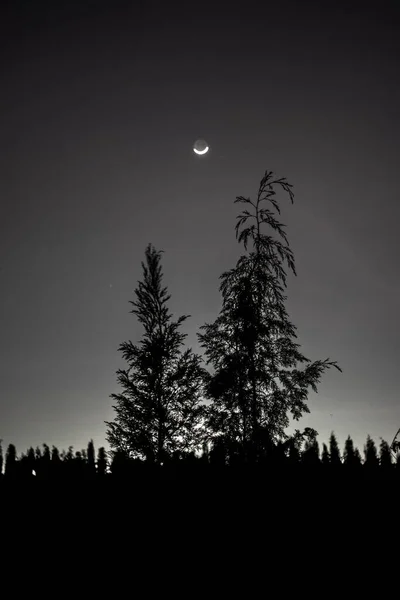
(45, 461)
(348, 454)
(357, 458)
(159, 410)
(385, 456)
(334, 451)
(31, 460)
(91, 459)
(256, 384)
(55, 454)
(46, 457)
(371, 461)
(325, 458)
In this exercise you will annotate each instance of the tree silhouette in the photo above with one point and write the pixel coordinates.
(325, 458)
(56, 463)
(256, 384)
(119, 463)
(38, 454)
(91, 459)
(385, 456)
(101, 461)
(310, 456)
(79, 464)
(23, 466)
(11, 461)
(45, 462)
(357, 458)
(334, 452)
(46, 453)
(159, 410)
(1, 459)
(31, 462)
(371, 461)
(68, 461)
(349, 458)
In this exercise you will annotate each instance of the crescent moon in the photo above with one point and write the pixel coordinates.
(201, 151)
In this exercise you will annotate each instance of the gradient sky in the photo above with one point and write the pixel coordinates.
(99, 108)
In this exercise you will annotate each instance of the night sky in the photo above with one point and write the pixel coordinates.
(100, 104)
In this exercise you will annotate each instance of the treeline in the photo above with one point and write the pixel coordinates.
(49, 463)
(299, 454)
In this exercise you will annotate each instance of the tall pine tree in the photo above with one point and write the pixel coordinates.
(371, 461)
(325, 458)
(385, 456)
(256, 384)
(91, 459)
(159, 410)
(334, 451)
(349, 459)
(357, 459)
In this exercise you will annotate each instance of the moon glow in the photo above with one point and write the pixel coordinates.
(200, 147)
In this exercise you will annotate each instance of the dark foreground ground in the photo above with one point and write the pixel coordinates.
(191, 535)
(243, 498)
